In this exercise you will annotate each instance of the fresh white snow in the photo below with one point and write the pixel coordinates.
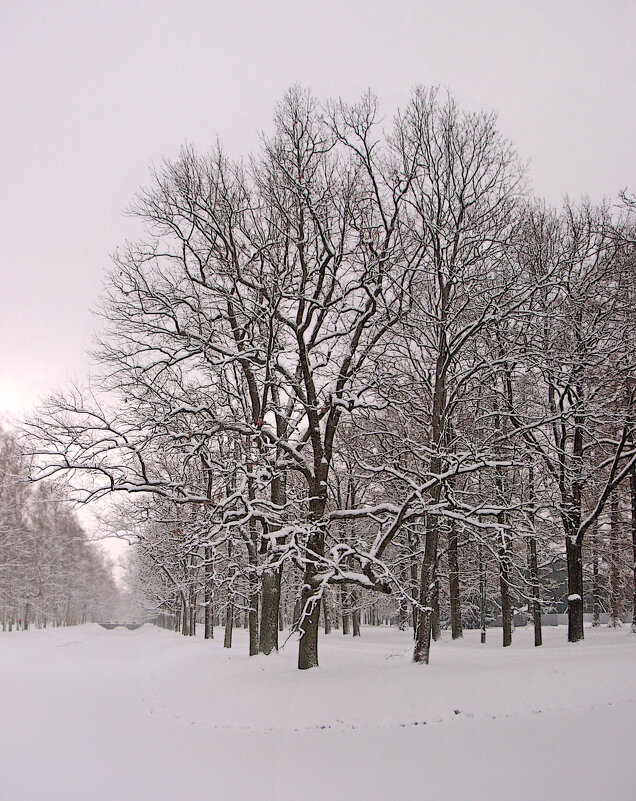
(147, 715)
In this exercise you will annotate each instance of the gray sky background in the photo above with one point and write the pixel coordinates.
(92, 92)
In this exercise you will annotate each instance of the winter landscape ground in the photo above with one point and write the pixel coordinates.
(147, 715)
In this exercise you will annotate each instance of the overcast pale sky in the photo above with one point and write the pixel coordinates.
(93, 91)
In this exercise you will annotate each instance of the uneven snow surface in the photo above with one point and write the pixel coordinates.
(93, 715)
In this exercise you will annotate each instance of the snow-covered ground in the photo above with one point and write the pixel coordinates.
(93, 715)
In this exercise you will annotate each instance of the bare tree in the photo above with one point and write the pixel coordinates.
(577, 417)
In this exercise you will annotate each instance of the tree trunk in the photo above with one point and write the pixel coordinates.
(504, 587)
(596, 584)
(403, 614)
(229, 608)
(436, 623)
(271, 617)
(616, 609)
(574, 544)
(403, 608)
(632, 493)
(185, 616)
(326, 615)
(482, 594)
(310, 616)
(207, 596)
(503, 557)
(229, 625)
(310, 601)
(355, 614)
(574, 556)
(193, 607)
(413, 568)
(346, 611)
(422, 650)
(270, 611)
(208, 620)
(453, 583)
(534, 583)
(252, 616)
(177, 613)
(533, 566)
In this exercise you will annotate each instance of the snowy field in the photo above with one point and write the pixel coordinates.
(94, 715)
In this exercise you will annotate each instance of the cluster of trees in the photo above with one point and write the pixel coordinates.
(362, 368)
(50, 574)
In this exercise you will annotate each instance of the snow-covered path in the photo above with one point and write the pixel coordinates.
(92, 715)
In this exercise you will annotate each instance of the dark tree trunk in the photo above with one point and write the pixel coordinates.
(326, 615)
(207, 597)
(422, 650)
(453, 583)
(208, 570)
(185, 616)
(534, 583)
(310, 600)
(482, 594)
(270, 611)
(403, 604)
(309, 622)
(436, 623)
(346, 611)
(229, 625)
(271, 582)
(413, 568)
(574, 544)
(193, 609)
(596, 582)
(355, 614)
(355, 623)
(252, 616)
(296, 614)
(574, 556)
(504, 586)
(229, 608)
(177, 613)
(533, 565)
(403, 614)
(503, 557)
(616, 606)
(632, 493)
